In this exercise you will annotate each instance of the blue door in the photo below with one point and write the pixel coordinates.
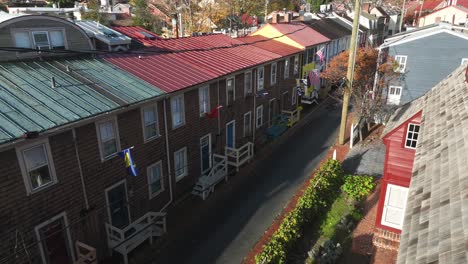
(118, 206)
(205, 152)
(230, 134)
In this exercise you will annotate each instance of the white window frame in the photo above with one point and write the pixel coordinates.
(260, 81)
(151, 195)
(247, 88)
(296, 65)
(400, 88)
(384, 212)
(464, 61)
(185, 173)
(294, 96)
(24, 170)
(31, 44)
(248, 132)
(233, 90)
(182, 110)
(287, 63)
(401, 66)
(271, 112)
(273, 73)
(201, 157)
(115, 125)
(33, 33)
(259, 116)
(411, 139)
(67, 230)
(204, 99)
(145, 136)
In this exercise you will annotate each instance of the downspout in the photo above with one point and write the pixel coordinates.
(85, 196)
(219, 118)
(254, 121)
(168, 157)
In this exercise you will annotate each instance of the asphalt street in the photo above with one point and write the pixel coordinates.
(236, 222)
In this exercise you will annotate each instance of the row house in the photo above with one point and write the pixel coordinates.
(421, 210)
(190, 110)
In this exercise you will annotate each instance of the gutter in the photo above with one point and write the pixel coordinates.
(168, 158)
(85, 196)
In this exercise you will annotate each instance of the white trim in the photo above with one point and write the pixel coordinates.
(201, 153)
(201, 91)
(183, 175)
(408, 131)
(124, 182)
(384, 211)
(233, 90)
(286, 71)
(273, 78)
(182, 110)
(148, 170)
(398, 59)
(249, 113)
(257, 116)
(393, 98)
(411, 36)
(260, 81)
(296, 69)
(293, 96)
(251, 83)
(233, 133)
(24, 172)
(158, 134)
(116, 136)
(66, 227)
(464, 61)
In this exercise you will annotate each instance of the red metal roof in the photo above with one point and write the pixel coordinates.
(270, 45)
(301, 33)
(173, 64)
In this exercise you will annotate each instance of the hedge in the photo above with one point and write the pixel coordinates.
(322, 190)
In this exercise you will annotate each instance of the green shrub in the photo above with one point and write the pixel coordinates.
(321, 192)
(358, 187)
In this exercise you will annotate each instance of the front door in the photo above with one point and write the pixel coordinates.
(55, 241)
(205, 153)
(271, 111)
(394, 206)
(284, 101)
(117, 204)
(231, 134)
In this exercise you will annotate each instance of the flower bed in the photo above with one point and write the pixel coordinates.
(322, 191)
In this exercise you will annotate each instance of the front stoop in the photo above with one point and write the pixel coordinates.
(386, 239)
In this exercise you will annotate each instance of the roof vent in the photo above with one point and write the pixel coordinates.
(52, 82)
(68, 69)
(139, 57)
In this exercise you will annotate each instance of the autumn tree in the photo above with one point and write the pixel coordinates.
(93, 12)
(367, 101)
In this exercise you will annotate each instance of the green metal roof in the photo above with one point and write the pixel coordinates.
(28, 102)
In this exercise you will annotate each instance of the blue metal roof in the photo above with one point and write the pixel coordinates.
(29, 102)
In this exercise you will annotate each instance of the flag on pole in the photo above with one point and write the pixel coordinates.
(321, 55)
(214, 113)
(129, 164)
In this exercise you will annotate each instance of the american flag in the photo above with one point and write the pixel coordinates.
(320, 55)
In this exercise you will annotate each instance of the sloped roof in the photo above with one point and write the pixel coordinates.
(298, 32)
(329, 28)
(402, 114)
(270, 45)
(452, 6)
(103, 33)
(174, 64)
(28, 102)
(463, 3)
(435, 227)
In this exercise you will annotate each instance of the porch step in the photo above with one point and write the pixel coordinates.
(386, 239)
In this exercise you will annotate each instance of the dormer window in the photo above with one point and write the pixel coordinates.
(412, 136)
(40, 40)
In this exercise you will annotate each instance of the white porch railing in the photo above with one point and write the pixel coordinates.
(309, 97)
(237, 157)
(150, 225)
(207, 182)
(85, 254)
(293, 116)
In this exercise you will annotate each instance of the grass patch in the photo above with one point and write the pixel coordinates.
(338, 209)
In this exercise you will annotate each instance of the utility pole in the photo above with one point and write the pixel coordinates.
(402, 16)
(350, 72)
(266, 9)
